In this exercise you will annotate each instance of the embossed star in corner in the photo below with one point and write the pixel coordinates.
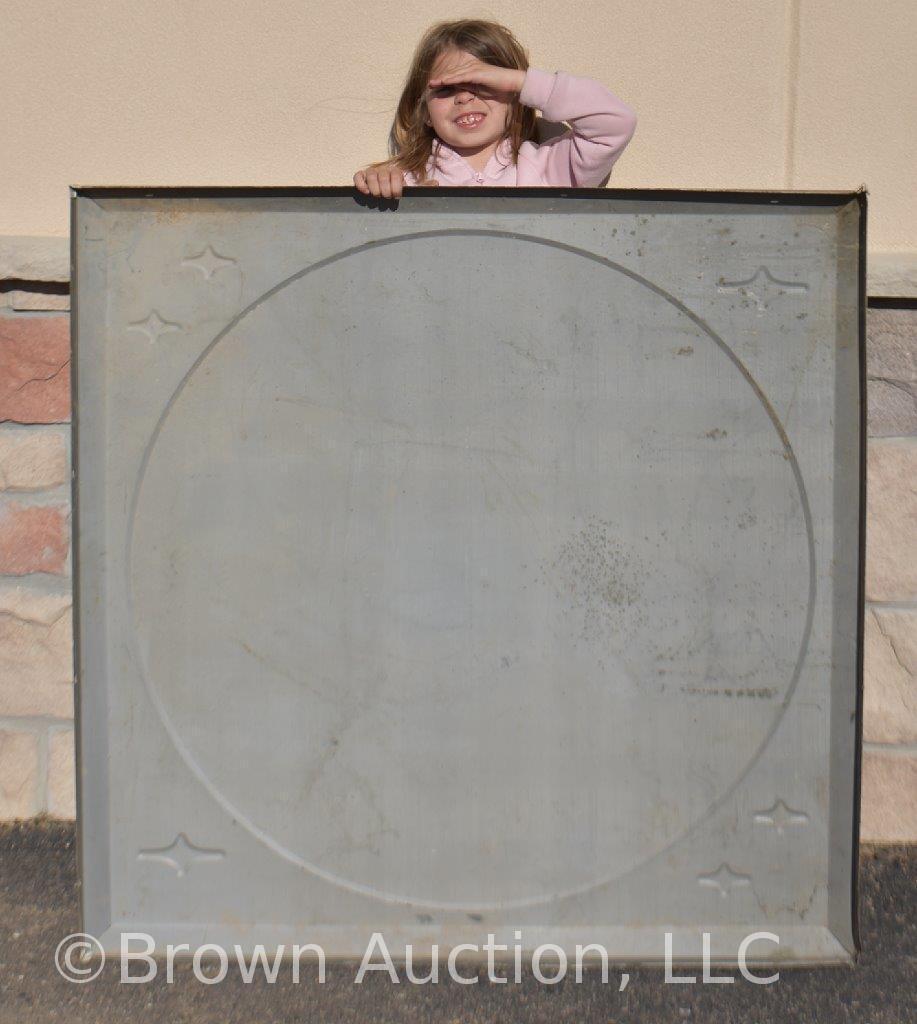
(724, 879)
(154, 326)
(208, 262)
(779, 816)
(181, 854)
(762, 286)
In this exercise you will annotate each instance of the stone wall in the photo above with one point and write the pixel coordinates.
(36, 677)
(36, 636)
(889, 793)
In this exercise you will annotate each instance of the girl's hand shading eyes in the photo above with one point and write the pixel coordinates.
(476, 72)
(481, 91)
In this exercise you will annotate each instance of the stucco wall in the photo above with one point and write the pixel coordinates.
(783, 94)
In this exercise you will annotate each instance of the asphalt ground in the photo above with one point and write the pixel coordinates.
(39, 906)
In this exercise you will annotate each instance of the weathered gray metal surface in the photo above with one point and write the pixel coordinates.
(485, 564)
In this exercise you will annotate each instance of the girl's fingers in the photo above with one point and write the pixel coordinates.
(384, 181)
(390, 181)
(373, 182)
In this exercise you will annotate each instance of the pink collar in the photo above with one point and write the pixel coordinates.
(500, 156)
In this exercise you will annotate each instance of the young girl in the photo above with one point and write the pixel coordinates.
(467, 117)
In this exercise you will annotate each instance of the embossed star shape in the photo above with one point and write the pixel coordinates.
(181, 854)
(208, 262)
(779, 816)
(724, 880)
(154, 326)
(763, 287)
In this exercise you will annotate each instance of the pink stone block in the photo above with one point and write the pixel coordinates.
(18, 774)
(35, 369)
(33, 538)
(888, 808)
(61, 774)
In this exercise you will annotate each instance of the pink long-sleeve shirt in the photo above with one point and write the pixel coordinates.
(602, 125)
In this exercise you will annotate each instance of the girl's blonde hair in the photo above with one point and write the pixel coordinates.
(411, 141)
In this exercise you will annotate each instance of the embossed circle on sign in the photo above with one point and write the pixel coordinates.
(444, 569)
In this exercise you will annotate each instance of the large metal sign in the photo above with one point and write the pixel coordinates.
(485, 563)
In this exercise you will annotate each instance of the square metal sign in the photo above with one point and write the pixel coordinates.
(484, 563)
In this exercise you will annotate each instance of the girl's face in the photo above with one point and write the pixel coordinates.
(469, 118)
